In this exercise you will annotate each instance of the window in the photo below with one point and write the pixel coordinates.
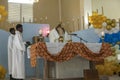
(19, 12)
(13, 12)
(22, 1)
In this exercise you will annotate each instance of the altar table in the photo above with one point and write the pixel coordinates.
(69, 69)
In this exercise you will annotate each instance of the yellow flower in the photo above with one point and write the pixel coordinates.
(3, 13)
(96, 20)
(2, 72)
(108, 68)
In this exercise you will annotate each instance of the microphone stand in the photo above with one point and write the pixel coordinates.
(81, 39)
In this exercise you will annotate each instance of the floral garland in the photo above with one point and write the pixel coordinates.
(3, 13)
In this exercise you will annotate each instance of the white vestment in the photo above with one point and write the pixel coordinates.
(53, 36)
(10, 48)
(18, 68)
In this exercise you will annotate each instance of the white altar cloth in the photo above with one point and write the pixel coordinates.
(72, 68)
(54, 48)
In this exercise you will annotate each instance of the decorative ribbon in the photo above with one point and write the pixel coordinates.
(69, 51)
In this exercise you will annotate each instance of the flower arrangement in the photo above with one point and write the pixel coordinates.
(3, 13)
(2, 72)
(111, 63)
(97, 19)
(108, 68)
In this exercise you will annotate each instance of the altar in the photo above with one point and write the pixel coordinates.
(69, 64)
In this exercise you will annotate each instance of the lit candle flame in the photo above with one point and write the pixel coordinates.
(40, 31)
(102, 33)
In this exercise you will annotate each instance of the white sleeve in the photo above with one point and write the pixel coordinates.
(19, 43)
(10, 42)
(53, 36)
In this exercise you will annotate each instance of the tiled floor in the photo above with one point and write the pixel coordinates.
(57, 79)
(52, 79)
(103, 78)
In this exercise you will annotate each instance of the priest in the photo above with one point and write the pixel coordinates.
(58, 34)
(10, 48)
(18, 68)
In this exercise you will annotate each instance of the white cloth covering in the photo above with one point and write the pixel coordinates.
(62, 70)
(10, 48)
(54, 48)
(18, 68)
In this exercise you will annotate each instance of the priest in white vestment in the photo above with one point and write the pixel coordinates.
(10, 48)
(58, 32)
(18, 68)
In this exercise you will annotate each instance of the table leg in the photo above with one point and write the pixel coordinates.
(45, 70)
(37, 69)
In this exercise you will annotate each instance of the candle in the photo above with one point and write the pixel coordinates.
(97, 10)
(40, 31)
(102, 10)
(102, 36)
(88, 20)
(102, 33)
(119, 24)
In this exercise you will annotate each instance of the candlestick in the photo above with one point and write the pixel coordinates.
(78, 23)
(88, 20)
(119, 24)
(97, 10)
(83, 22)
(102, 10)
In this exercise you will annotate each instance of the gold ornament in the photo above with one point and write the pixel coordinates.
(108, 27)
(96, 20)
(111, 23)
(108, 21)
(113, 20)
(61, 39)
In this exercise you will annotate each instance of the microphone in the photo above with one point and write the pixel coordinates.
(73, 34)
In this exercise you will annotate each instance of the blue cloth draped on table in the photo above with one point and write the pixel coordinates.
(112, 38)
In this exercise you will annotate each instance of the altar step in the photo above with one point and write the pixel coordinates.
(68, 79)
(59, 79)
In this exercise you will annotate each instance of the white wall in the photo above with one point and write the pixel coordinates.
(87, 12)
(110, 7)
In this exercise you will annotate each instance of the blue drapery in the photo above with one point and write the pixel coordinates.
(111, 38)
